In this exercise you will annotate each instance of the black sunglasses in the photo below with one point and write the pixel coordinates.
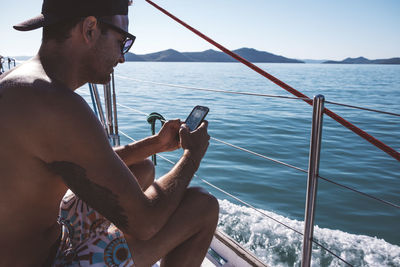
(129, 38)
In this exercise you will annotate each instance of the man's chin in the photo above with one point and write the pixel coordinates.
(107, 79)
(103, 80)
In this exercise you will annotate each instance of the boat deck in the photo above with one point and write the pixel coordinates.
(224, 251)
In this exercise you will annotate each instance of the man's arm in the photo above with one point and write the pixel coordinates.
(77, 151)
(166, 140)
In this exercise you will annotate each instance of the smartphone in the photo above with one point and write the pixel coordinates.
(196, 117)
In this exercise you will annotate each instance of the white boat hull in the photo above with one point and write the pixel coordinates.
(226, 252)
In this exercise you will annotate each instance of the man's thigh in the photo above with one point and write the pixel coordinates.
(198, 210)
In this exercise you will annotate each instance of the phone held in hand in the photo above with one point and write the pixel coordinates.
(196, 117)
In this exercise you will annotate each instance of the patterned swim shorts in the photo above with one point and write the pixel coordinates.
(89, 239)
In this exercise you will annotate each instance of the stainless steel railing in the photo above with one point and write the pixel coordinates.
(109, 119)
(312, 181)
(11, 63)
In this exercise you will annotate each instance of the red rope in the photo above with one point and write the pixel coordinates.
(393, 153)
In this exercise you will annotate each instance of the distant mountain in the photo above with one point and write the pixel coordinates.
(133, 57)
(210, 55)
(256, 56)
(363, 60)
(393, 60)
(169, 55)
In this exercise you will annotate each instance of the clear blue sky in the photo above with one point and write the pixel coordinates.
(306, 29)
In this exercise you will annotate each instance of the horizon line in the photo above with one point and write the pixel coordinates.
(217, 50)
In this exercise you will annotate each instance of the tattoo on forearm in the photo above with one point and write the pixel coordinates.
(100, 198)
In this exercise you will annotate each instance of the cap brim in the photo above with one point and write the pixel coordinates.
(30, 24)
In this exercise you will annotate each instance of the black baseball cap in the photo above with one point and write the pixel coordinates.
(54, 11)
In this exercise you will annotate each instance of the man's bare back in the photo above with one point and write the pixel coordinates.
(51, 141)
(29, 193)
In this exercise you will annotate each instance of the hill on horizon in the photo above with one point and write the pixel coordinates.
(171, 55)
(251, 54)
(363, 60)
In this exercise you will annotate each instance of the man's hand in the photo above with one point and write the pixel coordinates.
(195, 143)
(169, 135)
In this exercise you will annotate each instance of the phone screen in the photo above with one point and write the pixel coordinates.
(196, 117)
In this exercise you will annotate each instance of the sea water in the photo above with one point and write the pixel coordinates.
(361, 230)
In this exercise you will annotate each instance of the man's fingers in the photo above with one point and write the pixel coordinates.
(184, 130)
(175, 121)
(172, 125)
(204, 124)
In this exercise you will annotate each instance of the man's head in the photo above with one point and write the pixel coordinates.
(55, 11)
(58, 17)
(101, 26)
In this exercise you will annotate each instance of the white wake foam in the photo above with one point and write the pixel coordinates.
(277, 245)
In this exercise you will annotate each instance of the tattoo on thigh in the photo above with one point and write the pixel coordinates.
(100, 198)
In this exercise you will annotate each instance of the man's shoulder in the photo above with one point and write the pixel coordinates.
(52, 113)
(27, 76)
(23, 81)
(29, 88)
(30, 98)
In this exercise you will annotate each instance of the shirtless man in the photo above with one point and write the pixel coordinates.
(51, 141)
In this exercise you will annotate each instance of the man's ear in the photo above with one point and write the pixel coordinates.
(90, 29)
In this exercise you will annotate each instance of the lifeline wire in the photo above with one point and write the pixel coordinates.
(259, 155)
(393, 153)
(284, 164)
(248, 205)
(210, 90)
(223, 191)
(362, 193)
(254, 94)
(302, 170)
(138, 111)
(290, 166)
(362, 108)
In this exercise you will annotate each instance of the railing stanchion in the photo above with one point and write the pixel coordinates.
(312, 182)
(116, 139)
